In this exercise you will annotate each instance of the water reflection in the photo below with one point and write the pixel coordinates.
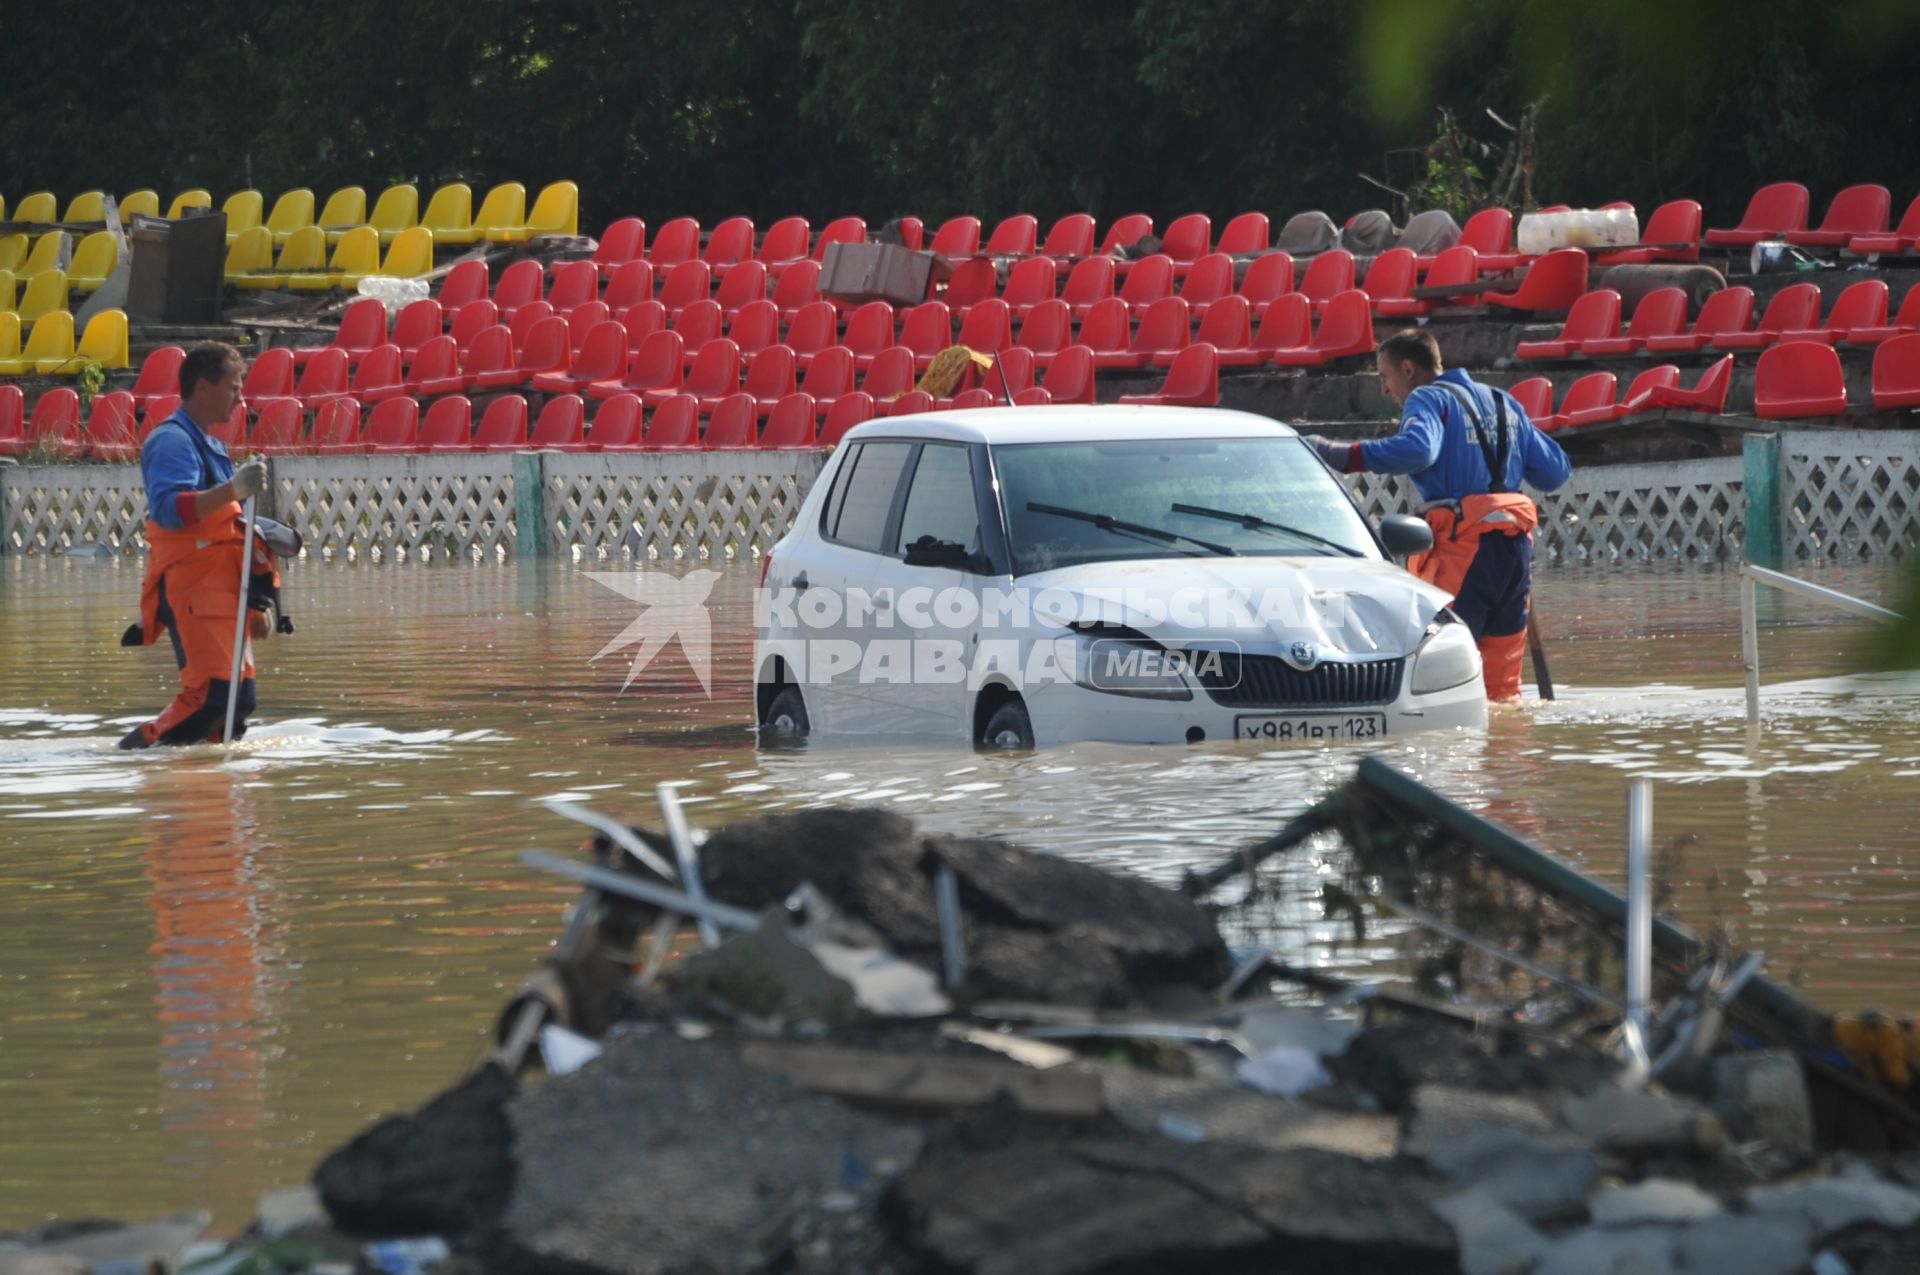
(220, 964)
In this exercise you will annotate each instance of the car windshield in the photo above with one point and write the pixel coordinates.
(1268, 484)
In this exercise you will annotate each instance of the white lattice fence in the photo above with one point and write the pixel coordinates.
(398, 508)
(675, 505)
(1690, 511)
(52, 508)
(1849, 495)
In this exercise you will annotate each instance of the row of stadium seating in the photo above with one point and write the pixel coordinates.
(50, 348)
(1859, 317)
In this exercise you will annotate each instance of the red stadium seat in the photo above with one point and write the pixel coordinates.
(1662, 312)
(1595, 316)
(1245, 235)
(987, 327)
(927, 329)
(466, 281)
(1071, 237)
(770, 377)
(792, 424)
(785, 243)
(1489, 233)
(394, 426)
(1287, 325)
(503, 426)
(160, 370)
(280, 429)
(1728, 310)
(1535, 397)
(232, 431)
(110, 432)
(1088, 283)
(624, 242)
(957, 237)
(732, 426)
(1148, 280)
(1771, 213)
(1208, 279)
(1030, 283)
(156, 410)
(1903, 238)
(469, 321)
(602, 358)
(448, 425)
(813, 329)
(336, 428)
(417, 323)
(630, 284)
(730, 243)
(1012, 372)
(13, 429)
(1592, 393)
(1192, 381)
(1166, 327)
(270, 376)
(1908, 320)
(675, 424)
(523, 281)
(743, 284)
(1896, 372)
(1861, 306)
(1033, 396)
(1327, 276)
(436, 369)
(562, 426)
(529, 317)
(1708, 395)
(1799, 378)
(617, 425)
(574, 284)
(890, 375)
(1857, 210)
(753, 329)
(1070, 377)
(658, 366)
(1346, 330)
(968, 400)
(1125, 231)
(698, 324)
(1108, 332)
(974, 280)
(848, 411)
(796, 287)
(547, 348)
(912, 403)
(1666, 376)
(1553, 282)
(675, 242)
(1013, 237)
(1227, 326)
(1269, 277)
(362, 326)
(1046, 330)
(1391, 278)
(841, 230)
(1795, 307)
(1677, 223)
(583, 320)
(379, 376)
(326, 376)
(1188, 239)
(685, 284)
(715, 373)
(828, 377)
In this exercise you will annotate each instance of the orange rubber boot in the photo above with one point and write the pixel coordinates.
(1500, 666)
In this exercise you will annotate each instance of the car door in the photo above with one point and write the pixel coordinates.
(858, 524)
(919, 687)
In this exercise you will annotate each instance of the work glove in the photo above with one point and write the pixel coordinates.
(1338, 456)
(250, 479)
(257, 626)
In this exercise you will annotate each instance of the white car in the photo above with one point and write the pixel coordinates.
(1026, 576)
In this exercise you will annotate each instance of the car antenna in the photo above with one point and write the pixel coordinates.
(1000, 363)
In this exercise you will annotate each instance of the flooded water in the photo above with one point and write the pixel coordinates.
(217, 966)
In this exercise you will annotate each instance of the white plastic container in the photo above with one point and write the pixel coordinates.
(1590, 228)
(393, 293)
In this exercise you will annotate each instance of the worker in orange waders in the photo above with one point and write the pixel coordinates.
(195, 531)
(1468, 447)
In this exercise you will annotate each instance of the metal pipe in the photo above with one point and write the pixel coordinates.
(240, 624)
(688, 858)
(1819, 593)
(626, 887)
(953, 952)
(614, 831)
(1750, 641)
(1639, 911)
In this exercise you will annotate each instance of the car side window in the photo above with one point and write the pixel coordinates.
(940, 502)
(863, 498)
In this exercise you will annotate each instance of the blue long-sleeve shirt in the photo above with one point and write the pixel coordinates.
(1437, 446)
(180, 457)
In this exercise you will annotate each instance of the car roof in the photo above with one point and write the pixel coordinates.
(1072, 424)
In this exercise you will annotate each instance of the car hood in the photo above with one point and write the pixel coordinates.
(1364, 608)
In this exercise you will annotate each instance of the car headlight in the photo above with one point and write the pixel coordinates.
(1445, 659)
(1121, 666)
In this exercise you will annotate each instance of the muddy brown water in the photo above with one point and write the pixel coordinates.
(217, 966)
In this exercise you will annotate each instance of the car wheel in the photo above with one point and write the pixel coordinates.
(1009, 728)
(787, 715)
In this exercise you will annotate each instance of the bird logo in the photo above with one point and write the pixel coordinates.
(675, 606)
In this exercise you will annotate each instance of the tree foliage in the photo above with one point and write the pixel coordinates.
(825, 106)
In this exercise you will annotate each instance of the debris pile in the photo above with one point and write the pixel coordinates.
(824, 1042)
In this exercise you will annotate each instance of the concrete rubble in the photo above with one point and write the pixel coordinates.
(1080, 1101)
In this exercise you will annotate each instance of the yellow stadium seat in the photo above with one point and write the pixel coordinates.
(46, 292)
(50, 345)
(93, 261)
(555, 212)
(141, 203)
(38, 207)
(250, 259)
(9, 343)
(397, 209)
(303, 254)
(292, 211)
(48, 249)
(503, 214)
(104, 342)
(244, 210)
(8, 291)
(356, 256)
(410, 255)
(449, 214)
(13, 251)
(345, 209)
(186, 199)
(88, 207)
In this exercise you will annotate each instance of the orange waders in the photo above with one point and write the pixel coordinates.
(1497, 615)
(192, 590)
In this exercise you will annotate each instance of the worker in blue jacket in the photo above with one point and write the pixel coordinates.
(1467, 447)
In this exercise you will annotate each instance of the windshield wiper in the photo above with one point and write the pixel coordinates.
(1107, 522)
(1253, 522)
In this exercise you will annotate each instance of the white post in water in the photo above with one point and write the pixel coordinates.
(1639, 902)
(1750, 643)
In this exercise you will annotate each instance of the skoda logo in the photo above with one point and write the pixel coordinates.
(1303, 656)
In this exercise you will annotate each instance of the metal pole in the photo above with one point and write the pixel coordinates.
(683, 852)
(1639, 901)
(1750, 643)
(953, 952)
(240, 624)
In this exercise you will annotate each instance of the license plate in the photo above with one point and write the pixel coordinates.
(1294, 727)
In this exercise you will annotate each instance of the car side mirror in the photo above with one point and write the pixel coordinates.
(1405, 535)
(928, 552)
